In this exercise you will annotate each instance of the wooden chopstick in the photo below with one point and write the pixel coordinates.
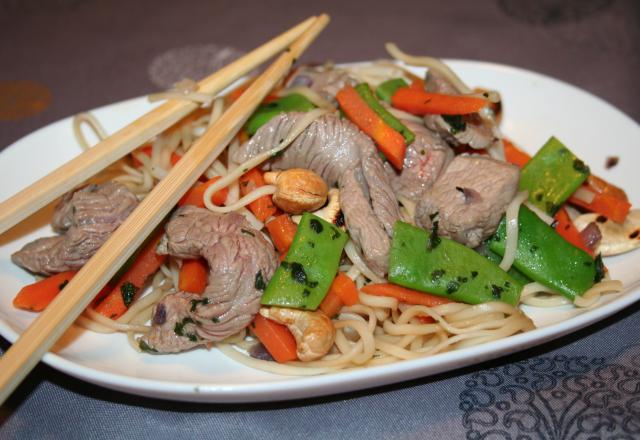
(63, 311)
(90, 162)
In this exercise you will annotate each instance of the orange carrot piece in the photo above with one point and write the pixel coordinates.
(262, 208)
(421, 102)
(389, 141)
(195, 196)
(282, 230)
(605, 204)
(425, 319)
(515, 155)
(145, 149)
(343, 292)
(417, 83)
(345, 288)
(233, 95)
(331, 304)
(193, 275)
(37, 296)
(175, 157)
(569, 232)
(276, 338)
(405, 295)
(146, 264)
(601, 186)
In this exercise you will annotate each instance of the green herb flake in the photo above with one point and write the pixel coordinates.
(297, 272)
(456, 123)
(580, 166)
(196, 302)
(259, 282)
(246, 231)
(452, 287)
(128, 291)
(496, 291)
(316, 226)
(433, 241)
(600, 269)
(146, 347)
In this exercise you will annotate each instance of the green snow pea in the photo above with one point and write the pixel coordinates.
(294, 102)
(303, 279)
(544, 256)
(552, 175)
(423, 261)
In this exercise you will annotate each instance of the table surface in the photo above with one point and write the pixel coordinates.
(84, 54)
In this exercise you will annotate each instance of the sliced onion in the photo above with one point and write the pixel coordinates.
(584, 195)
(512, 230)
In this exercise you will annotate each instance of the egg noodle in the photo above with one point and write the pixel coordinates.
(377, 330)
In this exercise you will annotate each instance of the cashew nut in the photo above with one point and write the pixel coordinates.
(330, 211)
(616, 238)
(313, 331)
(298, 190)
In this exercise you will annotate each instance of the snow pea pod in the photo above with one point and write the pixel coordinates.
(544, 256)
(367, 95)
(294, 102)
(552, 175)
(386, 90)
(303, 279)
(423, 261)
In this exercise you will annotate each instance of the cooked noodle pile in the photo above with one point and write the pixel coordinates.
(376, 331)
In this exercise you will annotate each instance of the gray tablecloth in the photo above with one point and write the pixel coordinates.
(88, 53)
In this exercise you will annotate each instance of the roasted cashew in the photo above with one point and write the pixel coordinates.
(313, 331)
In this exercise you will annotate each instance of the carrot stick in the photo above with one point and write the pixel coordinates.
(193, 275)
(282, 230)
(605, 204)
(390, 142)
(514, 155)
(343, 291)
(116, 303)
(345, 288)
(37, 296)
(195, 196)
(331, 304)
(569, 232)
(417, 83)
(421, 102)
(601, 186)
(405, 295)
(276, 338)
(262, 208)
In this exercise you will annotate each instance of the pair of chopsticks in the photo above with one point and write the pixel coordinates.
(63, 311)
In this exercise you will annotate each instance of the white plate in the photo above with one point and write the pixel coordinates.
(535, 106)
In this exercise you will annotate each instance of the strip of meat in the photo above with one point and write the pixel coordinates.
(339, 152)
(237, 256)
(86, 218)
(324, 81)
(425, 159)
(469, 198)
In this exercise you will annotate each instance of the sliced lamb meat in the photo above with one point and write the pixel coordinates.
(458, 130)
(339, 152)
(86, 218)
(237, 255)
(469, 198)
(324, 81)
(425, 159)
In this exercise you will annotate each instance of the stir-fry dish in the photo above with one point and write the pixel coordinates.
(363, 215)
